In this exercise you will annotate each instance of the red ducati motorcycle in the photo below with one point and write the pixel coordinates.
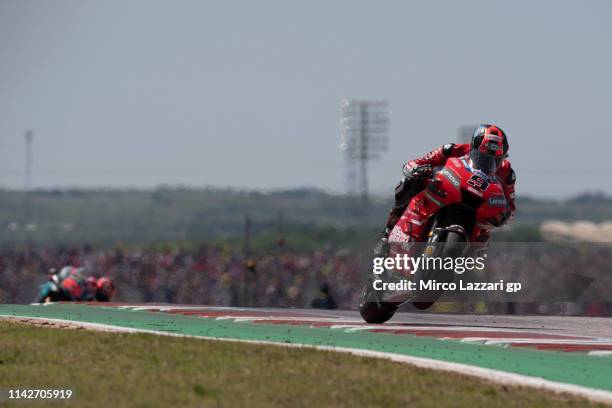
(444, 220)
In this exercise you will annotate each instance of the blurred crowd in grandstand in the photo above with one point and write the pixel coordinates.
(326, 278)
(206, 276)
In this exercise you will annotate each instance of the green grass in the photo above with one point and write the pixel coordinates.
(143, 370)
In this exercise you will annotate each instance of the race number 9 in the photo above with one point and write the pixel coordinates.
(478, 182)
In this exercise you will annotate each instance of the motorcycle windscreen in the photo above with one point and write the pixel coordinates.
(484, 162)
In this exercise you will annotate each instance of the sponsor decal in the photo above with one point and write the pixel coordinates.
(498, 201)
(450, 177)
(473, 190)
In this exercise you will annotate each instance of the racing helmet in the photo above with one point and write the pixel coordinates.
(105, 289)
(488, 148)
(71, 272)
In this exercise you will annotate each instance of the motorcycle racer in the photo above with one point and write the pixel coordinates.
(71, 284)
(105, 289)
(486, 152)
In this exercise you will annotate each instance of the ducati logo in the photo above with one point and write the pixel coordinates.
(450, 177)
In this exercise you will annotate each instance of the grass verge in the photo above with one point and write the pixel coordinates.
(145, 370)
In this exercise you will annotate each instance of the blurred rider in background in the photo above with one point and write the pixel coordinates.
(71, 284)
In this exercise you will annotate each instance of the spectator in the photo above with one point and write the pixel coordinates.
(325, 300)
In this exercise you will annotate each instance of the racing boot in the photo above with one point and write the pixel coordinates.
(381, 249)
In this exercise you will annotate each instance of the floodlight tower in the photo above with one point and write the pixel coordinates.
(364, 136)
(29, 159)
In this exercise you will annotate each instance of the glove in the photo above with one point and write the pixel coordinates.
(418, 172)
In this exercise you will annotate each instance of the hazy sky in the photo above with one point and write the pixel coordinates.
(247, 94)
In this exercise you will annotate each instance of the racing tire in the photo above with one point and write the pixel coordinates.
(373, 311)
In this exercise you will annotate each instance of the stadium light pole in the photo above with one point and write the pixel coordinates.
(247, 235)
(280, 240)
(29, 160)
(364, 136)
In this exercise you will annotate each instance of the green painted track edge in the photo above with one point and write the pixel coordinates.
(571, 368)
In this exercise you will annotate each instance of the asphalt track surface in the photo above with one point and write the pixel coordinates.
(568, 354)
(568, 325)
(564, 325)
